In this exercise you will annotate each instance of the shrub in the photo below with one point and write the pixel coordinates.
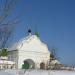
(3, 52)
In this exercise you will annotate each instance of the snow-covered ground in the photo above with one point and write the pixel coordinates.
(37, 72)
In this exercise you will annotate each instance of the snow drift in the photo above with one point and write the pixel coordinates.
(37, 72)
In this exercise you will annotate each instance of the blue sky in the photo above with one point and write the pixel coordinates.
(55, 22)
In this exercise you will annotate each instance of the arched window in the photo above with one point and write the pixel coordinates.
(42, 65)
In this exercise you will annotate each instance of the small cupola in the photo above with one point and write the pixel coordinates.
(29, 31)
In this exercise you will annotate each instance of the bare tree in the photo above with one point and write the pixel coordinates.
(6, 26)
(53, 54)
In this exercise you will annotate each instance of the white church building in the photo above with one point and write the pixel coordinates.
(29, 50)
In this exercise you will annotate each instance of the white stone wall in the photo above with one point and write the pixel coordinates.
(34, 49)
(33, 44)
(13, 56)
(36, 57)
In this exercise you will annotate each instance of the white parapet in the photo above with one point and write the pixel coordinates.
(3, 58)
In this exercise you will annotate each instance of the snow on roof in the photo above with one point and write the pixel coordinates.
(14, 47)
(54, 62)
(6, 62)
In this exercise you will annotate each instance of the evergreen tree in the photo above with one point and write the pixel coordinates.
(3, 52)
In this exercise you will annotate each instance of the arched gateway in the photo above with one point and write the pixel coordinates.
(28, 63)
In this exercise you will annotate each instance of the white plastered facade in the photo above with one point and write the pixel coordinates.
(32, 48)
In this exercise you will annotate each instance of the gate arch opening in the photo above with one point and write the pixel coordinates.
(28, 64)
